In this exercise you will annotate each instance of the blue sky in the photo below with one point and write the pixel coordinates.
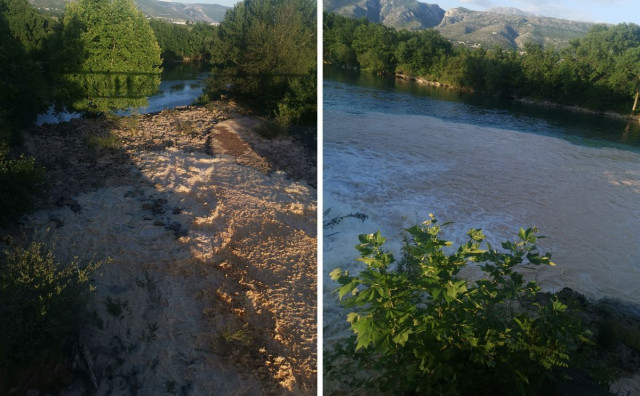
(607, 11)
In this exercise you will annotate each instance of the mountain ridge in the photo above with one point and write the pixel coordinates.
(172, 11)
(499, 26)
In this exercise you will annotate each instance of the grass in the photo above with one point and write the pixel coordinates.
(234, 335)
(100, 144)
(272, 129)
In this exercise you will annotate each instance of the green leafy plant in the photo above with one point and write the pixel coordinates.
(429, 331)
(98, 144)
(44, 304)
(20, 180)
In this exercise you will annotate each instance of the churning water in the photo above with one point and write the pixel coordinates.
(397, 155)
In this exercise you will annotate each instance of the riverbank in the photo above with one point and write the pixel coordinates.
(541, 103)
(211, 235)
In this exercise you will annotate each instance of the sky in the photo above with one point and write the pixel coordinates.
(607, 11)
(604, 11)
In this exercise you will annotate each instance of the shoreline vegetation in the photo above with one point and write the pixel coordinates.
(536, 102)
(599, 71)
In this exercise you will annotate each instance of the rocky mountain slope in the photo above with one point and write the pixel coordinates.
(401, 14)
(510, 30)
(172, 11)
(504, 26)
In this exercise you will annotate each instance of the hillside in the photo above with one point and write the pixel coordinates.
(510, 29)
(504, 26)
(401, 14)
(209, 13)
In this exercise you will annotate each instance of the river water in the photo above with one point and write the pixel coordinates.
(398, 151)
(180, 85)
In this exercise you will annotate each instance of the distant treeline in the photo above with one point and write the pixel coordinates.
(600, 71)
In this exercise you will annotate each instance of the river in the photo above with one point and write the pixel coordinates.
(397, 151)
(180, 85)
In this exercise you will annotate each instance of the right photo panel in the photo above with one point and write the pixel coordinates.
(481, 197)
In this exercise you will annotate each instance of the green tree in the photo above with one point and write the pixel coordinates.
(110, 59)
(375, 47)
(264, 46)
(22, 91)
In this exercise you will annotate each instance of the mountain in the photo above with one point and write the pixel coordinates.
(401, 14)
(509, 11)
(503, 26)
(172, 11)
(508, 28)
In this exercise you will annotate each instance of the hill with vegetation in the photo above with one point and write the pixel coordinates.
(503, 26)
(172, 11)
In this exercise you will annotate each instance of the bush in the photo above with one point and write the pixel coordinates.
(423, 329)
(300, 101)
(43, 306)
(20, 179)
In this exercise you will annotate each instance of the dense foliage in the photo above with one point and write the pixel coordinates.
(600, 71)
(110, 59)
(23, 34)
(267, 56)
(423, 329)
(180, 42)
(20, 180)
(43, 304)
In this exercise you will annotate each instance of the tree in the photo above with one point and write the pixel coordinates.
(110, 59)
(264, 46)
(21, 81)
(628, 74)
(375, 46)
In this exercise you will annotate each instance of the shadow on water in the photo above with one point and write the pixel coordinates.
(370, 93)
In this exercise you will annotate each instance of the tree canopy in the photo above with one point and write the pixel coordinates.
(110, 58)
(267, 50)
(22, 32)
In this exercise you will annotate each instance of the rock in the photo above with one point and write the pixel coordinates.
(71, 203)
(174, 227)
(57, 220)
(177, 211)
(158, 206)
(159, 223)
(182, 232)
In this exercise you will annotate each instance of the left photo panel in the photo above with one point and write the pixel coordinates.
(158, 197)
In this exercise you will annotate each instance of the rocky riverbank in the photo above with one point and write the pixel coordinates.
(210, 235)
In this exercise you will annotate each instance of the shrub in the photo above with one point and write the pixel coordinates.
(428, 331)
(20, 179)
(300, 101)
(43, 303)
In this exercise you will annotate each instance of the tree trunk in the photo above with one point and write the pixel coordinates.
(635, 102)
